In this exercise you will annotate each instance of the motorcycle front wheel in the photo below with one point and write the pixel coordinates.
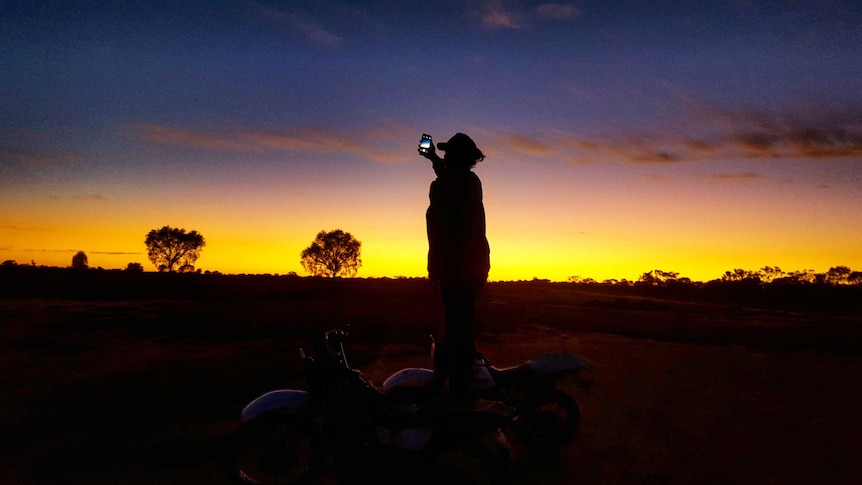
(549, 422)
(468, 462)
(277, 448)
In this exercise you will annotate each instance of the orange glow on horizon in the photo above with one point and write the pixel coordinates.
(611, 227)
(234, 254)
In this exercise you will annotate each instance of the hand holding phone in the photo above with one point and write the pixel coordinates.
(425, 144)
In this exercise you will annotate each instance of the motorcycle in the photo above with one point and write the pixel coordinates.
(547, 418)
(288, 436)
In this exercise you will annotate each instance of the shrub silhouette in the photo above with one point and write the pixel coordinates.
(79, 260)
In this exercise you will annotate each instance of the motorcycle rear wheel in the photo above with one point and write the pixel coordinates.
(549, 422)
(277, 448)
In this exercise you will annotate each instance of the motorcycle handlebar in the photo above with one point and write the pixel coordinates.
(337, 335)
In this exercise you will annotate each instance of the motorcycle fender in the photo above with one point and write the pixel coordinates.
(558, 364)
(286, 399)
(409, 378)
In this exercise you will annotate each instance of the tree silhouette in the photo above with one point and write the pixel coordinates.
(134, 268)
(334, 253)
(806, 276)
(658, 277)
(768, 274)
(170, 248)
(79, 260)
(739, 274)
(838, 275)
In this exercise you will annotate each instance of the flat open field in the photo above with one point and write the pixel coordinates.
(133, 380)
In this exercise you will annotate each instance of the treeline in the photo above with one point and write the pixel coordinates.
(830, 292)
(838, 290)
(768, 275)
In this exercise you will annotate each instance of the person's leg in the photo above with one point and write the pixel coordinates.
(459, 303)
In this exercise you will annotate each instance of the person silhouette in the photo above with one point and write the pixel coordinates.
(458, 255)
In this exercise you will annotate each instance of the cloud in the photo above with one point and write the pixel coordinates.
(807, 141)
(168, 135)
(368, 143)
(385, 145)
(802, 132)
(78, 197)
(733, 176)
(18, 163)
(695, 133)
(301, 25)
(498, 14)
(528, 146)
(308, 140)
(312, 31)
(699, 148)
(758, 144)
(654, 177)
(698, 132)
(10, 154)
(110, 253)
(557, 11)
(632, 148)
(15, 227)
(279, 140)
(826, 142)
(325, 141)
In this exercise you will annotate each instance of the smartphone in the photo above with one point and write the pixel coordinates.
(425, 143)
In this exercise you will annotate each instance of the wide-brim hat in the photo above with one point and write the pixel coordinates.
(461, 144)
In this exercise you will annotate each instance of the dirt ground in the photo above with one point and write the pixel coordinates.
(140, 390)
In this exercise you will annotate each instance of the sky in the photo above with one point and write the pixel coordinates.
(621, 136)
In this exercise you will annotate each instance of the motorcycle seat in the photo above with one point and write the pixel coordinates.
(507, 375)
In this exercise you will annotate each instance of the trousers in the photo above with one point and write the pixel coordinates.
(459, 344)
